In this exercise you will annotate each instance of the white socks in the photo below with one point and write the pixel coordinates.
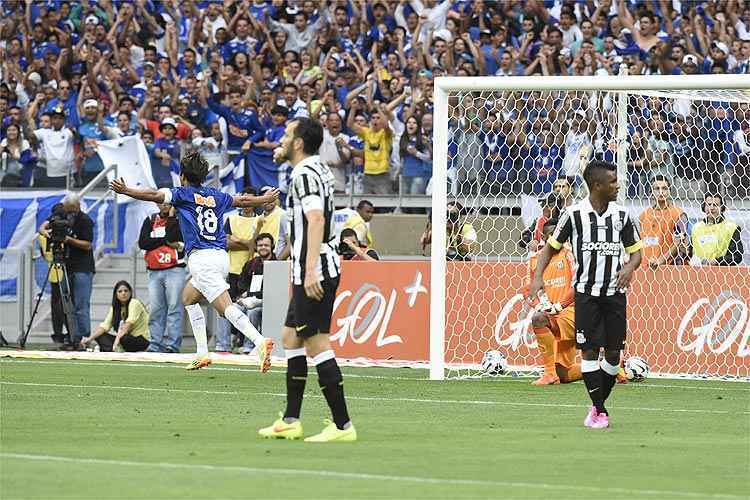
(198, 323)
(234, 315)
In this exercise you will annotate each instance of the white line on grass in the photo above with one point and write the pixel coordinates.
(347, 373)
(180, 367)
(368, 477)
(366, 398)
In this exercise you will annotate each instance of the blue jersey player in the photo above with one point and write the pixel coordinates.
(200, 212)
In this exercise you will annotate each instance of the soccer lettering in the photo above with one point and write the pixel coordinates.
(361, 322)
(519, 329)
(602, 247)
(716, 336)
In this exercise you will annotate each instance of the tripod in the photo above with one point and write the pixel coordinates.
(58, 264)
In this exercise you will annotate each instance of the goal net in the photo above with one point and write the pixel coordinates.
(503, 145)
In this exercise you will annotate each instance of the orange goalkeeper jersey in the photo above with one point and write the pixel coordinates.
(558, 277)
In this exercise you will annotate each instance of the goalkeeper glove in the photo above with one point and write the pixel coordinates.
(546, 306)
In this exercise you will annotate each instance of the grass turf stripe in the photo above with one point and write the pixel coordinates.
(366, 398)
(368, 477)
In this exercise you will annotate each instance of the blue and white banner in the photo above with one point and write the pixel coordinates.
(22, 212)
(264, 172)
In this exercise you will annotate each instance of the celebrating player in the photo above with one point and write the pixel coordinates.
(554, 320)
(200, 211)
(315, 278)
(598, 229)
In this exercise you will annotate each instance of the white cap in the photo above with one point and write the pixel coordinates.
(443, 34)
(722, 47)
(92, 19)
(168, 121)
(90, 103)
(601, 72)
(36, 78)
(690, 58)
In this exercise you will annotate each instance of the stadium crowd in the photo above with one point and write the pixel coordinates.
(224, 77)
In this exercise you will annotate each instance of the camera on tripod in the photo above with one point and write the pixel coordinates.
(60, 228)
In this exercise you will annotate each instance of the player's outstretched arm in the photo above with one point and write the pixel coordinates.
(118, 186)
(248, 200)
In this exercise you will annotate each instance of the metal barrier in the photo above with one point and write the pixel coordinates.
(115, 212)
(24, 288)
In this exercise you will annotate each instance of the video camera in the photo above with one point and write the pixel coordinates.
(60, 227)
(343, 249)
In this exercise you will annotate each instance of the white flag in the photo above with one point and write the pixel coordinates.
(130, 155)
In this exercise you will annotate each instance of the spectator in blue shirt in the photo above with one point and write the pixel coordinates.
(91, 130)
(414, 153)
(273, 136)
(243, 127)
(166, 149)
(545, 161)
(69, 100)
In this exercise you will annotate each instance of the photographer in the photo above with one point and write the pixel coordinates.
(62, 341)
(351, 249)
(73, 231)
(462, 236)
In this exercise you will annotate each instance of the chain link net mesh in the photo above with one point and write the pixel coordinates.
(507, 151)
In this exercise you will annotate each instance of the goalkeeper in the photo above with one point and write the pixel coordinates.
(554, 319)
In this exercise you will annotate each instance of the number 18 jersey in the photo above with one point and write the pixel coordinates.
(200, 212)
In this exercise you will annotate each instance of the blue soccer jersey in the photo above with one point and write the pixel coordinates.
(200, 212)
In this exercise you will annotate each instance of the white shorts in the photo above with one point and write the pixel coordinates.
(208, 269)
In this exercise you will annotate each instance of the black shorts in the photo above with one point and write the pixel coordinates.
(309, 316)
(601, 321)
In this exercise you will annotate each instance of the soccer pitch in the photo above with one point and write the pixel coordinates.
(126, 430)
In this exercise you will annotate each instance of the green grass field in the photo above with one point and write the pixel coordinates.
(125, 430)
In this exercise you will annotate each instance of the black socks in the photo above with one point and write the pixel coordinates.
(332, 385)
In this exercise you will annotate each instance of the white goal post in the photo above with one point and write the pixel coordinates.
(614, 109)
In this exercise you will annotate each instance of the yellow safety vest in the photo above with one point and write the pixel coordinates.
(243, 228)
(356, 222)
(711, 241)
(272, 223)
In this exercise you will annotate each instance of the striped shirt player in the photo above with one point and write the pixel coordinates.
(601, 233)
(598, 243)
(316, 271)
(312, 184)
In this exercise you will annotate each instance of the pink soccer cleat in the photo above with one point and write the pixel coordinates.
(601, 421)
(591, 417)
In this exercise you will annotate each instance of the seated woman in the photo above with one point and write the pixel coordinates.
(128, 318)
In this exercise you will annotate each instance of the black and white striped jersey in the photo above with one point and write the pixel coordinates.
(599, 243)
(311, 188)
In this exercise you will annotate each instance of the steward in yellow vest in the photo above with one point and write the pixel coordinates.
(716, 240)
